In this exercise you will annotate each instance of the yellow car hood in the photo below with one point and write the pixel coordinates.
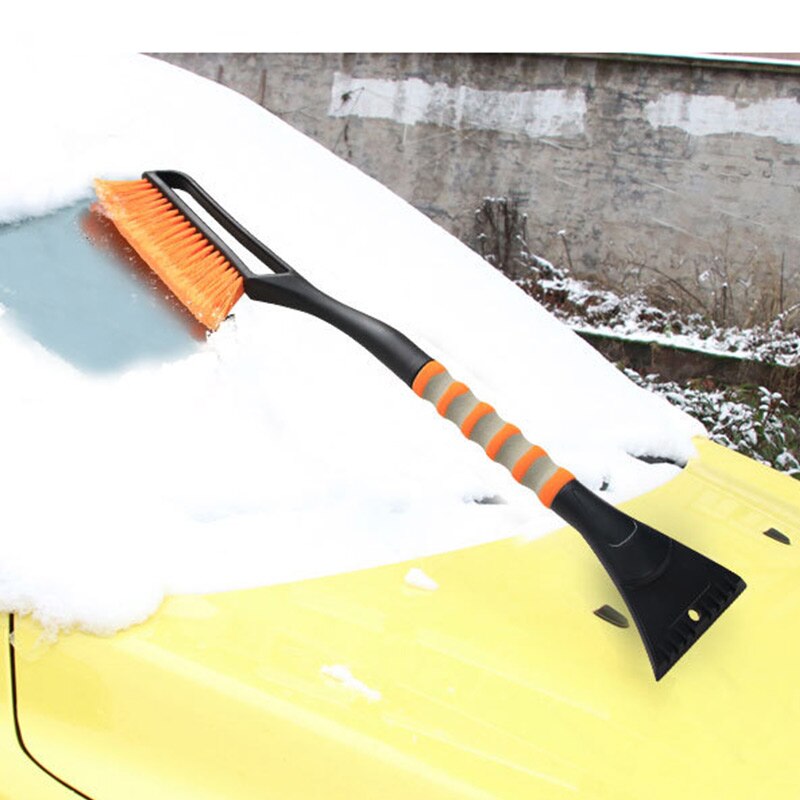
(501, 683)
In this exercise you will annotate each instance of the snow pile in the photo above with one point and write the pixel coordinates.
(279, 450)
(342, 675)
(418, 579)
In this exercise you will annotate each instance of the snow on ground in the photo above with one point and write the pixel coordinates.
(588, 309)
(769, 344)
(280, 449)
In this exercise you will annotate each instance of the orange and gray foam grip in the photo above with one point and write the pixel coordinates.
(528, 463)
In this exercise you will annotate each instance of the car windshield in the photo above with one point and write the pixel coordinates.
(73, 284)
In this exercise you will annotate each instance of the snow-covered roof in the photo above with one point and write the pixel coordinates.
(279, 449)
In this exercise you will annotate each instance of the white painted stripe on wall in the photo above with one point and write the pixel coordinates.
(703, 115)
(541, 112)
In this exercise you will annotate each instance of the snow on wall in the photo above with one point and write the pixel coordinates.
(542, 112)
(704, 115)
(550, 112)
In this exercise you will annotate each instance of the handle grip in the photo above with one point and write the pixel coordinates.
(633, 553)
(528, 463)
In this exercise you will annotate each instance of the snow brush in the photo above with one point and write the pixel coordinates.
(674, 594)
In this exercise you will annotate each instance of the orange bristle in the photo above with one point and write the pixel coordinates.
(196, 272)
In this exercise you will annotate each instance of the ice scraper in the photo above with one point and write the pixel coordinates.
(674, 593)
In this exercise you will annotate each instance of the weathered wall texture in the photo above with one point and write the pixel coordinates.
(682, 172)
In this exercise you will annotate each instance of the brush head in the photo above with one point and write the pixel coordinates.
(186, 260)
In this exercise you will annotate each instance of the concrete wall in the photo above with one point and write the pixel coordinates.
(680, 173)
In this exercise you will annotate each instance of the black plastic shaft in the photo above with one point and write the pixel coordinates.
(390, 346)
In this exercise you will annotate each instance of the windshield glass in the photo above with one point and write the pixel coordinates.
(71, 282)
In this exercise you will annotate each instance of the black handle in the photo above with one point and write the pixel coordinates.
(632, 552)
(390, 346)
